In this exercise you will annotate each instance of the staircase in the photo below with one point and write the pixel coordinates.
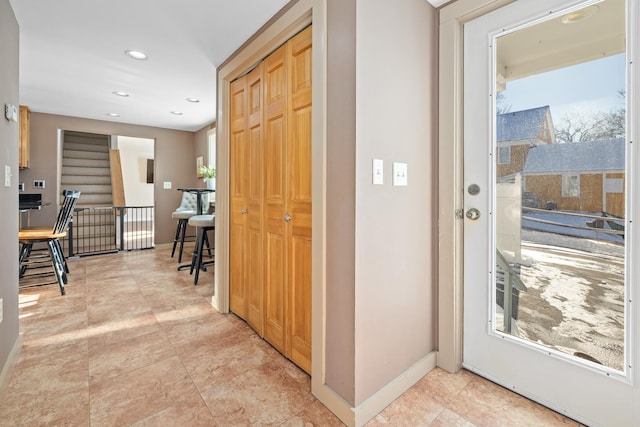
(86, 168)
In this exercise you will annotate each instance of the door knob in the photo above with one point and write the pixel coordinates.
(473, 214)
(287, 217)
(243, 211)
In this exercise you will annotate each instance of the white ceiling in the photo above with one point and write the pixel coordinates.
(552, 44)
(72, 56)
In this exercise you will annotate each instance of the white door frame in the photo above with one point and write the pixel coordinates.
(450, 302)
(289, 21)
(450, 178)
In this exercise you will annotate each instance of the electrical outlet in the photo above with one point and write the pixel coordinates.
(38, 183)
(21, 186)
(167, 185)
(1, 308)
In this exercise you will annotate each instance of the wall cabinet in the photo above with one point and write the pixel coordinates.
(24, 148)
(270, 189)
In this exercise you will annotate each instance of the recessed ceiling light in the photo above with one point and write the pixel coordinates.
(176, 113)
(120, 93)
(136, 54)
(113, 114)
(579, 15)
(194, 100)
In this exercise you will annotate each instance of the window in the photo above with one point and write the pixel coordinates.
(570, 185)
(211, 148)
(504, 155)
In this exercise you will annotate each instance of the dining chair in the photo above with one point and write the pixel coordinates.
(187, 209)
(51, 236)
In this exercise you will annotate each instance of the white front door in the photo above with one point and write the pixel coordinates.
(550, 119)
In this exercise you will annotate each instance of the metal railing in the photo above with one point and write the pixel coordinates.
(110, 229)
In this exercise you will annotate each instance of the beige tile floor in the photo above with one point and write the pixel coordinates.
(135, 343)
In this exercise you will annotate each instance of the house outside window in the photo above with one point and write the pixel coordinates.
(504, 155)
(570, 185)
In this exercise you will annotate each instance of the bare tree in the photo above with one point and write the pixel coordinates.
(501, 107)
(575, 127)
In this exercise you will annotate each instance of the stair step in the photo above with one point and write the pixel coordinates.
(77, 170)
(92, 189)
(96, 199)
(103, 148)
(80, 179)
(82, 154)
(93, 163)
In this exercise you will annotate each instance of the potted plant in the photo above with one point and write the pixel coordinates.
(209, 175)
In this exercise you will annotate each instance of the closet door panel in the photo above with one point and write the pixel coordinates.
(255, 262)
(238, 182)
(275, 181)
(299, 200)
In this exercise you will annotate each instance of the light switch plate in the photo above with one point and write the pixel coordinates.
(1, 309)
(166, 185)
(7, 176)
(11, 112)
(377, 172)
(400, 174)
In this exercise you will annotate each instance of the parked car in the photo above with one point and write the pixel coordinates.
(529, 200)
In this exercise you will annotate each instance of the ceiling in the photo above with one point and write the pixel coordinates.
(596, 31)
(72, 56)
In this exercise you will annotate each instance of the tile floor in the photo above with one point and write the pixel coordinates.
(135, 343)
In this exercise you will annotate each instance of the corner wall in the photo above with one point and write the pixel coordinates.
(174, 161)
(9, 43)
(396, 238)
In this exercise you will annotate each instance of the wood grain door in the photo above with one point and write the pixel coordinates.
(238, 183)
(255, 271)
(275, 174)
(298, 232)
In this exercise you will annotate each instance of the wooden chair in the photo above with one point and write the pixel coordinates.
(51, 236)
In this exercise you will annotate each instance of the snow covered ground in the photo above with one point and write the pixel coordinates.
(575, 295)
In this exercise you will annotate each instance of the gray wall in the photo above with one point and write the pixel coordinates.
(8, 196)
(341, 190)
(175, 161)
(381, 239)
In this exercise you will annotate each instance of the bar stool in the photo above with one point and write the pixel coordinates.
(187, 209)
(203, 223)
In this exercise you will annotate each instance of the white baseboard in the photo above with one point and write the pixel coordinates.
(360, 415)
(9, 366)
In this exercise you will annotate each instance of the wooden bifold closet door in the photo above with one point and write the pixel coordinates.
(270, 179)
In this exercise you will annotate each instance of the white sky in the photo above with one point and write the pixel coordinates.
(584, 88)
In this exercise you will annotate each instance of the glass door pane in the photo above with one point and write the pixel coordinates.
(559, 150)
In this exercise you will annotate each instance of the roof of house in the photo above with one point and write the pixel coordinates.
(520, 125)
(603, 155)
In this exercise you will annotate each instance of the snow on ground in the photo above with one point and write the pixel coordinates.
(575, 296)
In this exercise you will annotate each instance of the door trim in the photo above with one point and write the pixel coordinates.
(450, 176)
(295, 16)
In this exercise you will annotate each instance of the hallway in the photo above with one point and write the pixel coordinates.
(135, 343)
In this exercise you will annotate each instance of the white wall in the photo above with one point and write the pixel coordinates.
(134, 153)
(396, 116)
